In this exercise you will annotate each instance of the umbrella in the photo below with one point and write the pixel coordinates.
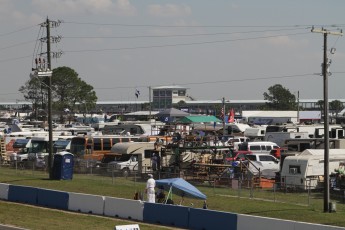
(180, 187)
(172, 112)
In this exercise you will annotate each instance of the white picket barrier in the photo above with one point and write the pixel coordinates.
(4, 191)
(86, 203)
(263, 223)
(124, 208)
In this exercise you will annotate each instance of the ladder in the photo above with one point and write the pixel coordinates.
(3, 151)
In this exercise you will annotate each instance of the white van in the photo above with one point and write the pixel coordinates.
(258, 146)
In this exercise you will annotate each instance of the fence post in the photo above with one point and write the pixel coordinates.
(274, 191)
(112, 174)
(309, 192)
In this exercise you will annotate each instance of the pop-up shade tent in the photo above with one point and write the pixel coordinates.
(170, 115)
(180, 187)
(199, 119)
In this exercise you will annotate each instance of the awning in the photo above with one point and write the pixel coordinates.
(199, 119)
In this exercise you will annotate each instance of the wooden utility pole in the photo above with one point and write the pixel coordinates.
(325, 65)
(50, 122)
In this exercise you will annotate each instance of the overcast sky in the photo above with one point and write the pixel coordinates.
(234, 49)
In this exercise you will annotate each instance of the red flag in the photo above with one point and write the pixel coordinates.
(231, 117)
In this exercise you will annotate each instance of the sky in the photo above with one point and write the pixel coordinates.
(232, 49)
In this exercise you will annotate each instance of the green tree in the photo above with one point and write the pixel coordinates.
(279, 98)
(180, 104)
(336, 106)
(68, 90)
(34, 91)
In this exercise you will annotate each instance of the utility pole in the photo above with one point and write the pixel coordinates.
(325, 65)
(298, 107)
(50, 122)
(44, 69)
(223, 114)
(150, 103)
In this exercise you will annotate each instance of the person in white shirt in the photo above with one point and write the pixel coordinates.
(150, 189)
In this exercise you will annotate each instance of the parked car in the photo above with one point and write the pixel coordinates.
(265, 164)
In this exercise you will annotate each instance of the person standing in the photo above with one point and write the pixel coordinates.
(154, 162)
(150, 189)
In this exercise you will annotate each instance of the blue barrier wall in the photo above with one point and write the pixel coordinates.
(22, 194)
(166, 214)
(208, 219)
(52, 198)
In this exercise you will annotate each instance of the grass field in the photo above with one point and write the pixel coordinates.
(223, 199)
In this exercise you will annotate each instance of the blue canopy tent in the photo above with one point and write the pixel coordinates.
(180, 187)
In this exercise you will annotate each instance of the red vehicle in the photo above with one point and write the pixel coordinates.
(237, 155)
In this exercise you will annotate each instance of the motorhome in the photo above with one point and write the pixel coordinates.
(131, 129)
(134, 157)
(306, 170)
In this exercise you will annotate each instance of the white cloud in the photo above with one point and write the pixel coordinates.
(169, 10)
(118, 7)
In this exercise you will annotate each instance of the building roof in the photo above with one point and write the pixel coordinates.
(169, 87)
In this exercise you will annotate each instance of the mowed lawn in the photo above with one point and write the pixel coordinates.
(223, 199)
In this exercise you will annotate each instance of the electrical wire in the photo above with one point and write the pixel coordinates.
(220, 81)
(195, 26)
(178, 35)
(181, 44)
(16, 31)
(17, 44)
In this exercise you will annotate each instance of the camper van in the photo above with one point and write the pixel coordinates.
(134, 157)
(306, 170)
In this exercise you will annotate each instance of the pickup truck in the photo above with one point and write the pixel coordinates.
(266, 164)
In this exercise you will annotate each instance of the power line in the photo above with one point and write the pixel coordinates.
(179, 35)
(17, 44)
(16, 31)
(166, 45)
(180, 44)
(222, 81)
(196, 26)
(15, 58)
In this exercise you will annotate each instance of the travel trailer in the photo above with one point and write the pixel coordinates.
(306, 170)
(255, 133)
(280, 137)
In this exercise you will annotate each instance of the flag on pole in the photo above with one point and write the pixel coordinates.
(222, 113)
(137, 93)
(231, 117)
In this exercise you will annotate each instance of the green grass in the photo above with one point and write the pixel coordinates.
(290, 206)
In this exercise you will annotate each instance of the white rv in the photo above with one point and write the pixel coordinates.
(134, 156)
(280, 137)
(255, 133)
(306, 170)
